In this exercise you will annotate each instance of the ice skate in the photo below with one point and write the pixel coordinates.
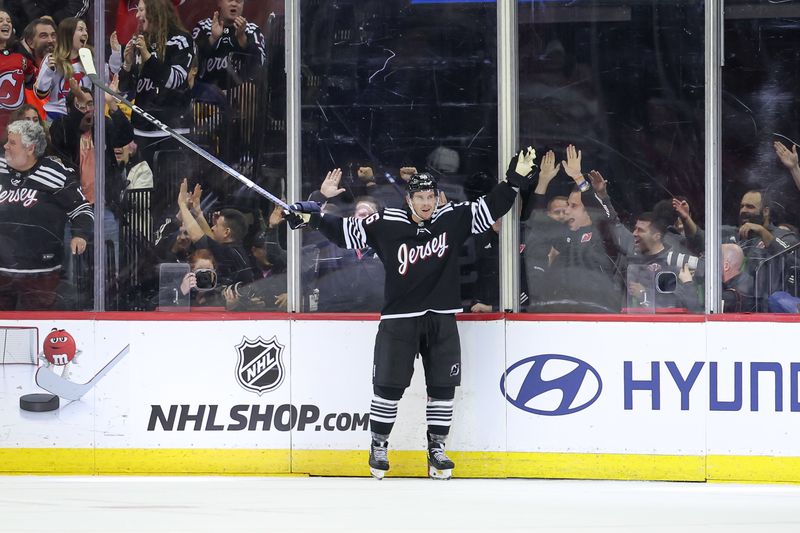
(439, 465)
(378, 459)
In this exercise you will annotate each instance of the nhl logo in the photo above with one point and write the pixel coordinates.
(260, 367)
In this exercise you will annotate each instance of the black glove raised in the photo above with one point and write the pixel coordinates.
(300, 214)
(520, 168)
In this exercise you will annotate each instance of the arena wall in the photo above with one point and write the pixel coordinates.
(659, 398)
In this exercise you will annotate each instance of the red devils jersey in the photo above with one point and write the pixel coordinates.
(15, 70)
(420, 259)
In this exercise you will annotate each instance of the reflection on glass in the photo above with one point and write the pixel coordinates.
(391, 89)
(760, 168)
(611, 95)
(213, 71)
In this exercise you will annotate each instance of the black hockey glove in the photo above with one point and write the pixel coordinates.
(300, 214)
(520, 168)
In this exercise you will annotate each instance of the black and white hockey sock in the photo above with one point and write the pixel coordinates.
(439, 414)
(382, 414)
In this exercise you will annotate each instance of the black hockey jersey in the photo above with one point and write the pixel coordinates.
(225, 63)
(161, 86)
(420, 259)
(34, 208)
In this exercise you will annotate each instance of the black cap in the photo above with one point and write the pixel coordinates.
(423, 181)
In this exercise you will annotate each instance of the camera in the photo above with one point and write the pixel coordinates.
(205, 278)
(666, 282)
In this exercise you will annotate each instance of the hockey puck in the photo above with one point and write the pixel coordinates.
(38, 403)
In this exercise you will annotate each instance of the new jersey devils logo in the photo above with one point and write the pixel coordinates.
(11, 93)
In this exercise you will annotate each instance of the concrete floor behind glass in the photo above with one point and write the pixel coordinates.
(66, 504)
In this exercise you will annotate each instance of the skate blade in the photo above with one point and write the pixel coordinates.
(435, 473)
(377, 474)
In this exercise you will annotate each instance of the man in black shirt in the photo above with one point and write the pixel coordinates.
(419, 246)
(223, 239)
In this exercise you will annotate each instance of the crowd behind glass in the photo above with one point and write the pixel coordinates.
(179, 234)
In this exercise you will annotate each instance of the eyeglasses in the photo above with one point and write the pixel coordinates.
(84, 107)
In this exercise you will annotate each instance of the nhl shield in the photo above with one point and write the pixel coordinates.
(260, 368)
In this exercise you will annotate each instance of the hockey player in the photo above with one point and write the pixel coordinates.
(419, 246)
(230, 49)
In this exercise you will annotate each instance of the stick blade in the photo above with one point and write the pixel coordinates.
(87, 61)
(55, 384)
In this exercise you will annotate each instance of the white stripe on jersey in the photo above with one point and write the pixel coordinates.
(179, 41)
(446, 208)
(46, 181)
(354, 235)
(177, 75)
(54, 175)
(396, 215)
(481, 216)
(83, 209)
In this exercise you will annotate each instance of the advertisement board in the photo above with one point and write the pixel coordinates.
(590, 399)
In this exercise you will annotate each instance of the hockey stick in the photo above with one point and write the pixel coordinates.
(69, 390)
(88, 65)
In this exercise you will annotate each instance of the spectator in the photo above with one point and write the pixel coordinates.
(25, 11)
(544, 227)
(682, 235)
(584, 275)
(27, 112)
(268, 291)
(230, 49)
(737, 284)
(72, 134)
(223, 239)
(61, 66)
(788, 159)
(652, 276)
(350, 280)
(156, 67)
(72, 139)
(16, 71)
(38, 40)
(175, 245)
(39, 194)
(760, 239)
(201, 282)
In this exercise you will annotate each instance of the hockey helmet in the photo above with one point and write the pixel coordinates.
(424, 181)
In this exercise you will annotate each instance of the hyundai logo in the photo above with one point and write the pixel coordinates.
(551, 384)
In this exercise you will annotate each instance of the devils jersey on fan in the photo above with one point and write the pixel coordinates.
(161, 85)
(421, 260)
(53, 86)
(216, 59)
(15, 71)
(34, 208)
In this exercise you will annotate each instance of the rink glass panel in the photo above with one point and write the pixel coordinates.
(387, 85)
(759, 107)
(241, 121)
(623, 82)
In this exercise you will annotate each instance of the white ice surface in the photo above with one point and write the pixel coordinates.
(66, 504)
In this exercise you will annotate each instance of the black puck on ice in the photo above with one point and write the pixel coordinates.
(38, 402)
